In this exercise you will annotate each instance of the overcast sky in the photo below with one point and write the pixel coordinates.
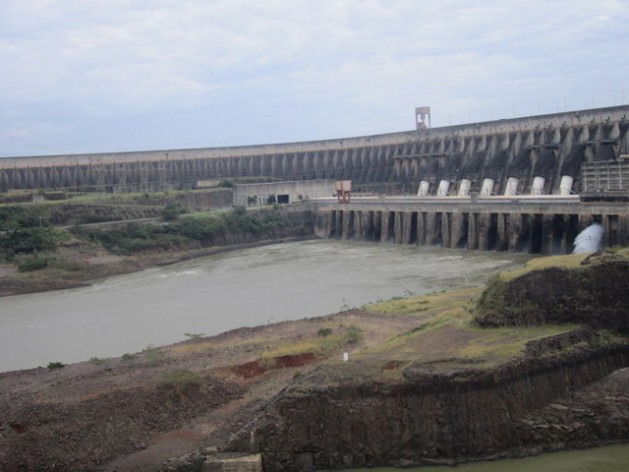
(109, 75)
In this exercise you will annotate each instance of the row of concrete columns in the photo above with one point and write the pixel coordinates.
(515, 231)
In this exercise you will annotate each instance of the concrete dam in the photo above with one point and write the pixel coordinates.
(453, 173)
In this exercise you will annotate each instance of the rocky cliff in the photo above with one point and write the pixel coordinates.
(448, 411)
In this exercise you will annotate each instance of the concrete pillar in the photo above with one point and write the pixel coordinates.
(514, 235)
(358, 226)
(421, 228)
(623, 230)
(338, 224)
(376, 221)
(564, 247)
(432, 234)
(384, 226)
(547, 234)
(482, 224)
(445, 229)
(456, 230)
(397, 228)
(233, 462)
(407, 220)
(368, 225)
(472, 231)
(502, 242)
(347, 224)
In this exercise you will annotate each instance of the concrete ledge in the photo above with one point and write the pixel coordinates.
(233, 462)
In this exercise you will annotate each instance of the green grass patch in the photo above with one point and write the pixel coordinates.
(568, 261)
(100, 360)
(425, 304)
(319, 345)
(495, 345)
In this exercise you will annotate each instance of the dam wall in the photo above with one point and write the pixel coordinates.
(546, 146)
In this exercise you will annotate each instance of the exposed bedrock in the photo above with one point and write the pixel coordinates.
(430, 418)
(432, 413)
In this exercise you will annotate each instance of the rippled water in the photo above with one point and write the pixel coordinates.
(214, 294)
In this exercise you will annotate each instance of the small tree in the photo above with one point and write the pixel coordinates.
(172, 211)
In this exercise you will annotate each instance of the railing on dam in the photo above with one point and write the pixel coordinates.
(530, 224)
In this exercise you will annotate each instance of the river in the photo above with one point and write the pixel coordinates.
(214, 294)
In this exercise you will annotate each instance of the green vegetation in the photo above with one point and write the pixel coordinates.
(568, 261)
(324, 332)
(194, 335)
(126, 357)
(320, 345)
(16, 241)
(172, 210)
(184, 233)
(180, 379)
(100, 360)
(226, 183)
(56, 365)
(446, 333)
(34, 263)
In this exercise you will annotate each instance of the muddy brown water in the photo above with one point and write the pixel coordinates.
(126, 314)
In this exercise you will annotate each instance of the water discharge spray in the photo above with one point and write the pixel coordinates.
(589, 240)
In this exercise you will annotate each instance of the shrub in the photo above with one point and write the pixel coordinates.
(99, 360)
(324, 332)
(29, 240)
(353, 334)
(56, 365)
(126, 357)
(180, 379)
(172, 211)
(194, 335)
(33, 263)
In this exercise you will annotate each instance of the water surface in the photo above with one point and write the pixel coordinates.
(601, 459)
(217, 293)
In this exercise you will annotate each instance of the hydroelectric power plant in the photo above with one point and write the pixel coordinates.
(524, 184)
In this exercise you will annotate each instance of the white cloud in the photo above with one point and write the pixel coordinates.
(245, 71)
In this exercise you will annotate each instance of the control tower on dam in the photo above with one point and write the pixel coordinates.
(540, 154)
